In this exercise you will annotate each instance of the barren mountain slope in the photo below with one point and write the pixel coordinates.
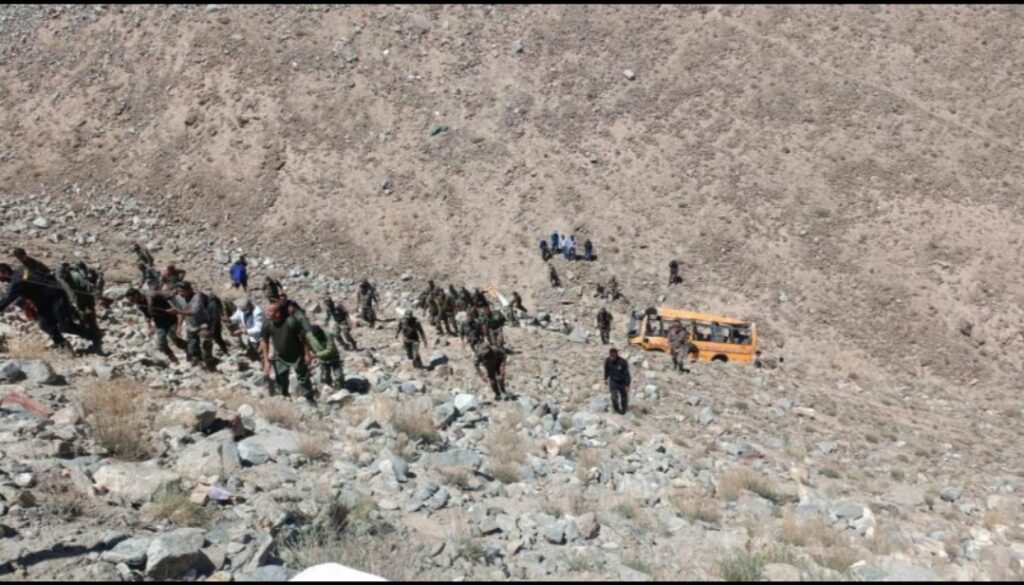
(858, 162)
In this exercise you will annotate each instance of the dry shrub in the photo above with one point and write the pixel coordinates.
(58, 497)
(733, 482)
(383, 408)
(376, 555)
(741, 566)
(812, 532)
(313, 447)
(414, 418)
(115, 411)
(507, 448)
(697, 508)
(280, 412)
(456, 476)
(30, 347)
(837, 558)
(996, 517)
(179, 509)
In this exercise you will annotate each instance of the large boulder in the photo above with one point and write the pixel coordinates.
(461, 458)
(137, 482)
(10, 373)
(209, 457)
(172, 555)
(39, 372)
(275, 441)
(194, 415)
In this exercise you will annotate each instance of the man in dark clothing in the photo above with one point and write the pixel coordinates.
(616, 375)
(342, 324)
(53, 313)
(365, 298)
(479, 300)
(673, 273)
(218, 315)
(287, 338)
(613, 289)
(33, 265)
(240, 274)
(193, 308)
(145, 264)
(156, 307)
(80, 292)
(679, 344)
(545, 252)
(604, 324)
(588, 251)
(553, 275)
(514, 307)
(493, 325)
(272, 289)
(445, 313)
(171, 277)
(411, 331)
(493, 359)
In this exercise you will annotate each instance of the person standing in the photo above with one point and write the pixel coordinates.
(411, 331)
(326, 350)
(342, 323)
(604, 324)
(156, 307)
(588, 250)
(194, 308)
(286, 337)
(553, 275)
(616, 375)
(247, 324)
(493, 359)
(673, 273)
(240, 274)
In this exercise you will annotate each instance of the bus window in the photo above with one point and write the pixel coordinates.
(702, 332)
(718, 333)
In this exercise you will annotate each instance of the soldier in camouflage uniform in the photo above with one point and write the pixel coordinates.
(342, 323)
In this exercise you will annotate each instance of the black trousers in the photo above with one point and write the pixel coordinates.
(55, 317)
(619, 396)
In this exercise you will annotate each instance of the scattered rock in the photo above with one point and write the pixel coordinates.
(173, 554)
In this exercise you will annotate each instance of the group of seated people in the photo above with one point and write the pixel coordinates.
(565, 245)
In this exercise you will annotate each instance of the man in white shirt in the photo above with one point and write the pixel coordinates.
(247, 325)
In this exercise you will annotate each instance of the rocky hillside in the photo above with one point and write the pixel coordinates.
(845, 176)
(125, 467)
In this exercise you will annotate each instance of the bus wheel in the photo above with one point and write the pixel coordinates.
(720, 358)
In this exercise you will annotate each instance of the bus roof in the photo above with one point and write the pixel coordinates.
(670, 313)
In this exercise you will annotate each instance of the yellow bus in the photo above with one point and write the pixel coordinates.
(716, 338)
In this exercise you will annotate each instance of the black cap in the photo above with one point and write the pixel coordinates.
(185, 285)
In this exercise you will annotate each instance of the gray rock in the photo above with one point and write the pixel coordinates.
(864, 571)
(10, 373)
(412, 387)
(194, 415)
(444, 414)
(629, 74)
(555, 532)
(466, 402)
(41, 223)
(705, 416)
(587, 526)
(848, 510)
(252, 453)
(171, 555)
(221, 256)
(136, 482)
(276, 442)
(951, 494)
(209, 457)
(407, 276)
(38, 371)
(517, 47)
(781, 572)
(579, 335)
(131, 552)
(901, 570)
(599, 405)
(276, 573)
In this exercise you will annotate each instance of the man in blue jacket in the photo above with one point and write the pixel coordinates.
(240, 274)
